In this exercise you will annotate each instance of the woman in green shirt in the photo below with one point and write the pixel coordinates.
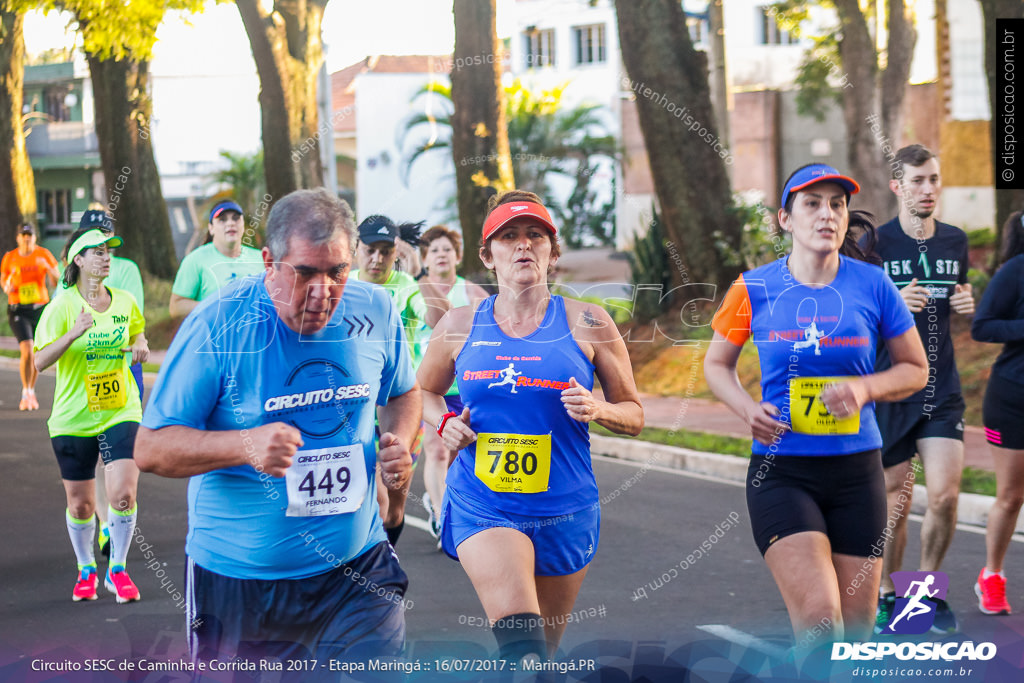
(93, 333)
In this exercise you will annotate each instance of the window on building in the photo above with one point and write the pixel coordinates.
(590, 45)
(540, 48)
(55, 104)
(54, 207)
(770, 33)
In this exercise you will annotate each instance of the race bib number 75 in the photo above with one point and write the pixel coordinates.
(514, 463)
(326, 481)
(807, 411)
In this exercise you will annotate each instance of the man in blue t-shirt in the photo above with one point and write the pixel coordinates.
(927, 260)
(267, 401)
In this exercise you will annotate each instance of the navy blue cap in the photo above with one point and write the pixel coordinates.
(226, 205)
(377, 228)
(817, 173)
(96, 218)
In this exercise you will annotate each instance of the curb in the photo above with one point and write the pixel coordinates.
(972, 508)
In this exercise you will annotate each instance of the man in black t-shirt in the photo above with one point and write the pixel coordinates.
(927, 260)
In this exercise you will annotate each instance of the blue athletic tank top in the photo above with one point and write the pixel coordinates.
(530, 457)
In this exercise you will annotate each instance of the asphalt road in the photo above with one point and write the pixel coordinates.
(677, 586)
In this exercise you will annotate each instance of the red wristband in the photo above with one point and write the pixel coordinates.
(443, 420)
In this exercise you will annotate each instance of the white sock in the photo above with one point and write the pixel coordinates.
(82, 532)
(122, 528)
(988, 574)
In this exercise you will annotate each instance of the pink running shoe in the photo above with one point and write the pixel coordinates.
(85, 589)
(120, 584)
(991, 594)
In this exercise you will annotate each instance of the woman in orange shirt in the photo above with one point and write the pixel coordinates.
(23, 274)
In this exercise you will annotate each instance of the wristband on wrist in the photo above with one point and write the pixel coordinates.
(443, 420)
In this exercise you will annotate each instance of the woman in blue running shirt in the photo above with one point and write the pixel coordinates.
(521, 510)
(815, 489)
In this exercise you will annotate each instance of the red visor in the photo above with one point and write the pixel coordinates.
(506, 212)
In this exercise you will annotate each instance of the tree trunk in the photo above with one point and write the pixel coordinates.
(670, 83)
(873, 100)
(134, 199)
(17, 184)
(483, 164)
(288, 51)
(1007, 201)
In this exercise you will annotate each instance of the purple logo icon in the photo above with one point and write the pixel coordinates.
(916, 593)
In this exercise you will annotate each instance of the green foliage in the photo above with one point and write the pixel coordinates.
(818, 71)
(118, 30)
(761, 241)
(244, 175)
(544, 138)
(983, 237)
(649, 267)
(978, 280)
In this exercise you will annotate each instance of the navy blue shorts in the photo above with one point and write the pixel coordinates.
(77, 455)
(562, 545)
(842, 496)
(902, 424)
(355, 611)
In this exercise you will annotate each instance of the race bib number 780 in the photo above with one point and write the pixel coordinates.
(514, 463)
(326, 481)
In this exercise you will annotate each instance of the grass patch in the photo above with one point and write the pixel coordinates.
(685, 438)
(974, 480)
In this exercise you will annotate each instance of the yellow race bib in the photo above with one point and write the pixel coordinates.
(28, 293)
(106, 391)
(807, 413)
(514, 463)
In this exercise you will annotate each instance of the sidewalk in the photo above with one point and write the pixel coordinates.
(697, 414)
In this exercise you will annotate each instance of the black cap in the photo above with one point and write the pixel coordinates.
(26, 229)
(377, 228)
(96, 218)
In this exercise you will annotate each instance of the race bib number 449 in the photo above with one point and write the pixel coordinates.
(514, 463)
(326, 481)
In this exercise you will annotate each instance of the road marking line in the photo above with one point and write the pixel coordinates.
(420, 524)
(734, 635)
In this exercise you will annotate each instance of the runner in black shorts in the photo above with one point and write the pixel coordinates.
(1000, 318)
(93, 332)
(927, 260)
(24, 273)
(815, 489)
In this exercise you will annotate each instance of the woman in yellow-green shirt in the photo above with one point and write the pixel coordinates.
(93, 333)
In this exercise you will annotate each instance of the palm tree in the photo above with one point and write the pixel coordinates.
(543, 138)
(244, 175)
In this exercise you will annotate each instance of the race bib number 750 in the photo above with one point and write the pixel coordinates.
(326, 481)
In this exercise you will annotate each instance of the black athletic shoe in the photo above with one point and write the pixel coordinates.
(945, 621)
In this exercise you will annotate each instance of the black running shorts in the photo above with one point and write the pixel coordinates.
(1003, 412)
(842, 496)
(77, 455)
(23, 321)
(902, 424)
